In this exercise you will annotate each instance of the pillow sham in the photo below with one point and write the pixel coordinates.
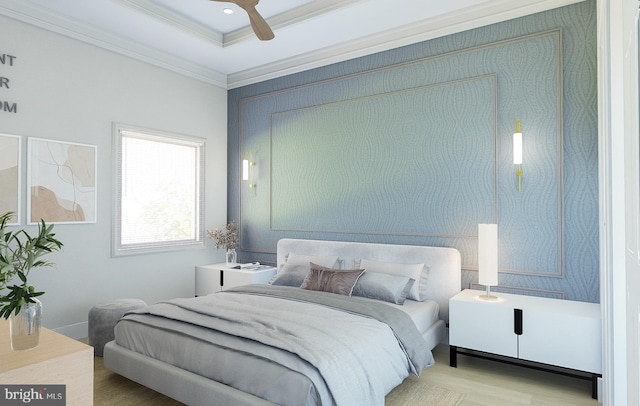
(382, 286)
(297, 266)
(340, 281)
(418, 272)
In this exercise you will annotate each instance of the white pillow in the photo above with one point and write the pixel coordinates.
(382, 286)
(418, 272)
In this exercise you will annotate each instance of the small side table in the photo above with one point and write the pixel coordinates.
(57, 360)
(549, 332)
(216, 277)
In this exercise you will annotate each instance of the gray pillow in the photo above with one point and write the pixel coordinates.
(381, 286)
(297, 267)
(340, 281)
(291, 275)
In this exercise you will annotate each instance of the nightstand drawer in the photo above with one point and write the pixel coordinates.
(483, 326)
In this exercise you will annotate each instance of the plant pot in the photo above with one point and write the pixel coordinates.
(231, 257)
(25, 326)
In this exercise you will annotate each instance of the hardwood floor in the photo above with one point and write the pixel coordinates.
(483, 382)
(493, 383)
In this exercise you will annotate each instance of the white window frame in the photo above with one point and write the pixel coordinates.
(119, 249)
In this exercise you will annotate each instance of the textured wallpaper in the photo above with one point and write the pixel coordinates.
(387, 163)
(413, 146)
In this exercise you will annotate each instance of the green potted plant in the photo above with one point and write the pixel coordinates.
(19, 254)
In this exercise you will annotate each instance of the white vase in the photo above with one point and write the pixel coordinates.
(231, 257)
(25, 326)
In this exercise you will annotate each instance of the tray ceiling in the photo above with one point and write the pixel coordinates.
(196, 38)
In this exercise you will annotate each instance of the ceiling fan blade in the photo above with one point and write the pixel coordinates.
(259, 25)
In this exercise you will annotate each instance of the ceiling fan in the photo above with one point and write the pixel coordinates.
(259, 25)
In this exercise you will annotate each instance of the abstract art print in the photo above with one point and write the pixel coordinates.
(10, 156)
(61, 180)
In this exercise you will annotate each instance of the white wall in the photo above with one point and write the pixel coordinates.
(71, 91)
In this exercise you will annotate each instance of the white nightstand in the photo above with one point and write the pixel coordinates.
(216, 277)
(559, 333)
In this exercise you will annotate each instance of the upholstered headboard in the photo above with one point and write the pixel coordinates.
(444, 277)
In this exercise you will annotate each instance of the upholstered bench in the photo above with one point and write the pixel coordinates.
(103, 318)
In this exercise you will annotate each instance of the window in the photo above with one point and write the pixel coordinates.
(158, 191)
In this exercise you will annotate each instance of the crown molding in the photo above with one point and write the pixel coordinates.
(288, 18)
(174, 19)
(23, 11)
(472, 17)
(451, 23)
(187, 25)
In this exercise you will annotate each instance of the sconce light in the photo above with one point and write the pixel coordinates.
(488, 258)
(517, 153)
(247, 169)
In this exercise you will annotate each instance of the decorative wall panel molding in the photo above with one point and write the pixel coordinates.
(354, 122)
(387, 163)
(419, 149)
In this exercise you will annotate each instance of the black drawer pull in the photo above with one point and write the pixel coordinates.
(517, 321)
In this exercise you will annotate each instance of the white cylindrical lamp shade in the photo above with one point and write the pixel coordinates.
(517, 148)
(488, 254)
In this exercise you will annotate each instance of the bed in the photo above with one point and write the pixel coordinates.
(286, 344)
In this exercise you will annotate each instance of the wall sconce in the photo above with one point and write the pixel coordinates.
(517, 153)
(488, 258)
(247, 169)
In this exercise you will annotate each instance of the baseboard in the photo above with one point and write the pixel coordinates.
(75, 331)
(600, 389)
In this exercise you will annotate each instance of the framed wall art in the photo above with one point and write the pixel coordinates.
(10, 157)
(61, 182)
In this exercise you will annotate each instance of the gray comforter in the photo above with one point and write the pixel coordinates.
(354, 351)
